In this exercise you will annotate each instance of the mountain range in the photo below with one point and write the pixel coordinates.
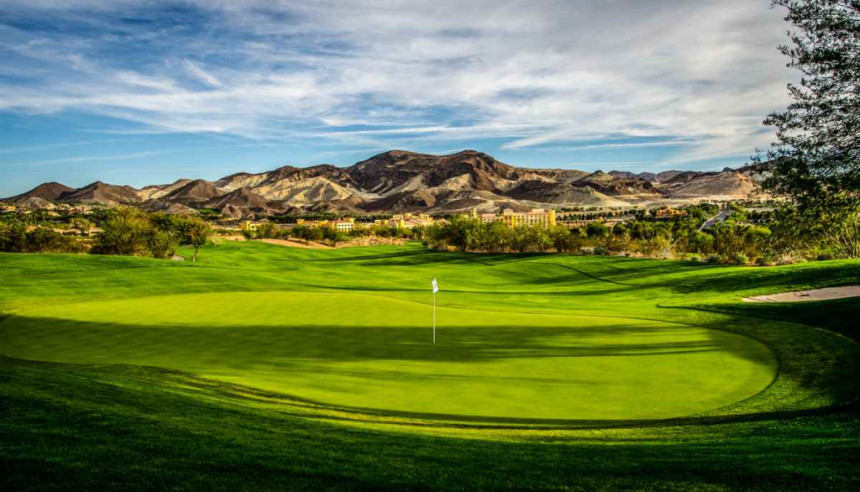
(400, 181)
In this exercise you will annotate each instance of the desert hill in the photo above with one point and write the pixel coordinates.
(46, 191)
(102, 193)
(401, 181)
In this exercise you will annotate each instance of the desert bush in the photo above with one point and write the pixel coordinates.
(44, 240)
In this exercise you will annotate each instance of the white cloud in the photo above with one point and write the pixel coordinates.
(201, 74)
(534, 72)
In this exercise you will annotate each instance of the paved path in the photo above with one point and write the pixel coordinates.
(715, 219)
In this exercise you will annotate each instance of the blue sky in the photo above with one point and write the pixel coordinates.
(134, 92)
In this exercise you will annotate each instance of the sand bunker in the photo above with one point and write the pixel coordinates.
(810, 295)
(297, 244)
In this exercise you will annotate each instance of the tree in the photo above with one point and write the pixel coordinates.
(300, 231)
(596, 230)
(559, 235)
(197, 233)
(436, 237)
(333, 235)
(464, 233)
(124, 233)
(520, 239)
(816, 159)
(82, 225)
(161, 243)
(267, 230)
(540, 238)
(496, 237)
(316, 234)
(13, 237)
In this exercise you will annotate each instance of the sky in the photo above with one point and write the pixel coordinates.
(144, 92)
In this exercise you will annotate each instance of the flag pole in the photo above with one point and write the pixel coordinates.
(435, 290)
(434, 317)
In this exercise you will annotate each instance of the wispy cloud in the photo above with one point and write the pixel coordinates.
(201, 74)
(57, 145)
(620, 145)
(91, 158)
(385, 74)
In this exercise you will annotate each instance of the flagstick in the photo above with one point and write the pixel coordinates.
(434, 318)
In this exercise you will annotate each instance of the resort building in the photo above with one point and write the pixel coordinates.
(406, 221)
(669, 213)
(538, 216)
(344, 225)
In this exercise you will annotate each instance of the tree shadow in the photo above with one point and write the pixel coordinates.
(248, 345)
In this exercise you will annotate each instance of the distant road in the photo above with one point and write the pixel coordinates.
(715, 219)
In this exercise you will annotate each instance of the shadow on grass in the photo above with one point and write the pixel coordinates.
(501, 293)
(249, 345)
(167, 378)
(837, 315)
(762, 278)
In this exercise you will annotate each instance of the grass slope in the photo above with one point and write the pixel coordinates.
(92, 422)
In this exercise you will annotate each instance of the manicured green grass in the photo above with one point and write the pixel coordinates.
(372, 352)
(314, 369)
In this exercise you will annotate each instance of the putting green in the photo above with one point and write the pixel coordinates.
(373, 352)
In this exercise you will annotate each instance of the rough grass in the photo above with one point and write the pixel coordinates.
(92, 424)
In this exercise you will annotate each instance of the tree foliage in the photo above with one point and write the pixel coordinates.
(133, 232)
(816, 159)
(16, 238)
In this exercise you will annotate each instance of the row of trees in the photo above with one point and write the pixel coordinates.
(328, 234)
(133, 232)
(127, 231)
(730, 241)
(16, 238)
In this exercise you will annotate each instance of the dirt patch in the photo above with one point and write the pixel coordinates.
(810, 295)
(297, 244)
(361, 241)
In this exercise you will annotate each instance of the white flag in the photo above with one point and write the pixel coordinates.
(435, 286)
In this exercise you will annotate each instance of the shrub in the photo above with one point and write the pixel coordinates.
(13, 237)
(740, 259)
(160, 244)
(694, 259)
(713, 259)
(600, 251)
(44, 240)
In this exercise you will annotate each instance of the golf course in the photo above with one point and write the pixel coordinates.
(269, 367)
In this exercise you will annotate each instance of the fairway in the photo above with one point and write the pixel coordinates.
(375, 353)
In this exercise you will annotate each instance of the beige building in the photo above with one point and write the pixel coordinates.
(670, 213)
(487, 218)
(344, 225)
(538, 216)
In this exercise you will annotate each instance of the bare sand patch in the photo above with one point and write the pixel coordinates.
(810, 295)
(361, 241)
(297, 244)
